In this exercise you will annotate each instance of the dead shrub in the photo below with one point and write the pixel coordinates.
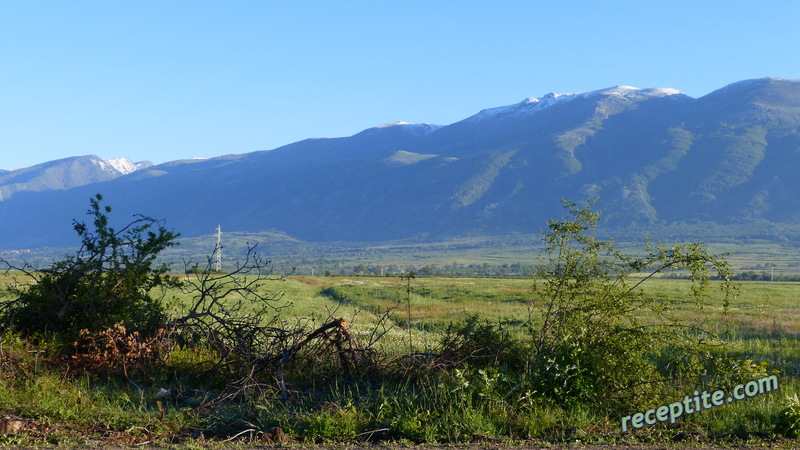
(116, 351)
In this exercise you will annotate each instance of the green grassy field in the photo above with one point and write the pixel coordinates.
(763, 328)
(761, 308)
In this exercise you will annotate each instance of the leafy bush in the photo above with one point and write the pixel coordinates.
(592, 346)
(787, 421)
(107, 282)
(482, 343)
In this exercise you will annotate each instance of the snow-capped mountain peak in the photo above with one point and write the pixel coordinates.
(634, 93)
(527, 106)
(392, 124)
(123, 166)
(423, 127)
(532, 104)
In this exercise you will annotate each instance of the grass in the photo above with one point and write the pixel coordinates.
(762, 312)
(454, 406)
(763, 328)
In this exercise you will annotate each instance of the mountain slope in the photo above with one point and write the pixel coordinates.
(651, 156)
(65, 174)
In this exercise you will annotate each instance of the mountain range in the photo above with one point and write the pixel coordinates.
(65, 174)
(651, 157)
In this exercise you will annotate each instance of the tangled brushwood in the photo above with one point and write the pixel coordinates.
(116, 351)
(104, 312)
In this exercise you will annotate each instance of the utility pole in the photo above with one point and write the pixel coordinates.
(218, 250)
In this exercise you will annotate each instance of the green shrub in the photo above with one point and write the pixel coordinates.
(482, 343)
(107, 282)
(592, 346)
(787, 421)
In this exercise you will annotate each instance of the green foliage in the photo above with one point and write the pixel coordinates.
(60, 408)
(592, 345)
(483, 343)
(108, 281)
(593, 340)
(474, 401)
(787, 421)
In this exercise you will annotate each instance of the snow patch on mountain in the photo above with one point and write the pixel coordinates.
(426, 127)
(392, 124)
(633, 93)
(123, 166)
(527, 106)
(532, 105)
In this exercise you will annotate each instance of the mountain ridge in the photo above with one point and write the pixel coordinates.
(652, 156)
(65, 173)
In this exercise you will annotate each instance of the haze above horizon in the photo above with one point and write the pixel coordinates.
(165, 81)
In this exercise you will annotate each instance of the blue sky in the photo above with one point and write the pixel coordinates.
(166, 80)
